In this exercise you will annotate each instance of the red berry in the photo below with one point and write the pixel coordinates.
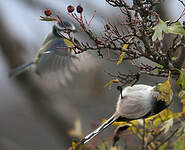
(47, 12)
(79, 9)
(70, 8)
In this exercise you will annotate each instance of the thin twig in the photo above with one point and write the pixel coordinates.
(182, 2)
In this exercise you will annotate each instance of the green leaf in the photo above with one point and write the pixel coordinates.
(181, 80)
(159, 29)
(176, 28)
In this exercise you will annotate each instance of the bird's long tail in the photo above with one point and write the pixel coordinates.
(20, 69)
(98, 130)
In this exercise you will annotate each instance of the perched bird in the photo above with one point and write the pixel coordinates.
(135, 102)
(55, 53)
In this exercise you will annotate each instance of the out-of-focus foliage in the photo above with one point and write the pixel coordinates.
(179, 144)
(77, 130)
(180, 141)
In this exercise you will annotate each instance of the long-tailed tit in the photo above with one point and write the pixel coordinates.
(135, 102)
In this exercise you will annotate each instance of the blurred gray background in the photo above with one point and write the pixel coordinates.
(33, 113)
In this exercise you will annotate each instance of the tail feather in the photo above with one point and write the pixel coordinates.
(20, 69)
(98, 130)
